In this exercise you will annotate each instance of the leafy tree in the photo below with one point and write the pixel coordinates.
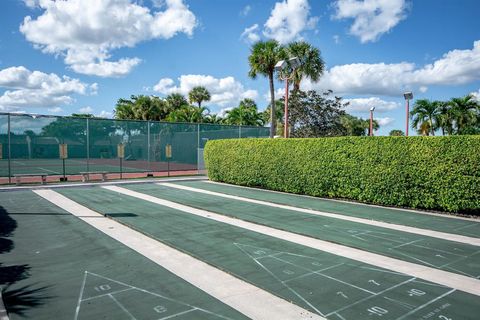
(312, 65)
(83, 115)
(396, 133)
(279, 115)
(141, 108)
(213, 119)
(198, 95)
(245, 114)
(189, 114)
(425, 114)
(465, 113)
(315, 115)
(262, 60)
(176, 101)
(357, 126)
(124, 109)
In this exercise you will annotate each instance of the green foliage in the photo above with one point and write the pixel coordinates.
(311, 63)
(396, 133)
(245, 114)
(198, 95)
(441, 173)
(357, 126)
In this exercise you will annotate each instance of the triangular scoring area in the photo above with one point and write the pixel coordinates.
(97, 286)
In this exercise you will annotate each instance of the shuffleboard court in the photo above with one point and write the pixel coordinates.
(54, 266)
(404, 217)
(328, 284)
(451, 256)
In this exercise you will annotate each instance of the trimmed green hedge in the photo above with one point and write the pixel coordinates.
(441, 173)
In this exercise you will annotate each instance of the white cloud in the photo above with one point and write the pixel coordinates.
(85, 32)
(364, 104)
(455, 68)
(37, 89)
(288, 19)
(476, 95)
(86, 109)
(372, 18)
(31, 3)
(224, 91)
(55, 110)
(223, 112)
(336, 39)
(250, 34)
(246, 10)
(384, 122)
(104, 114)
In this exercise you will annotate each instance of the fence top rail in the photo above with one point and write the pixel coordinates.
(35, 116)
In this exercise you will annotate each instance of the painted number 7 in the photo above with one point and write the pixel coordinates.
(377, 311)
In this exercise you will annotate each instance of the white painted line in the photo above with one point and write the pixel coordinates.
(238, 294)
(3, 310)
(445, 278)
(113, 182)
(423, 232)
(441, 215)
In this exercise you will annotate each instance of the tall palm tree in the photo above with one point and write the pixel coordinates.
(198, 95)
(465, 111)
(444, 118)
(424, 115)
(311, 63)
(263, 57)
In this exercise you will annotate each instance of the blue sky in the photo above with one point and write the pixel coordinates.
(82, 55)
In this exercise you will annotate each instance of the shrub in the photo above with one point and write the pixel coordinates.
(441, 173)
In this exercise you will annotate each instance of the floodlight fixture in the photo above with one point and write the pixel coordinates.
(294, 62)
(408, 95)
(280, 65)
(372, 109)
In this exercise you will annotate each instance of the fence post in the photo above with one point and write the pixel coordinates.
(88, 145)
(9, 152)
(240, 131)
(148, 146)
(198, 147)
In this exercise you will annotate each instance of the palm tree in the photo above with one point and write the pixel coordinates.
(198, 95)
(189, 114)
(465, 112)
(176, 101)
(444, 118)
(311, 63)
(245, 114)
(262, 60)
(424, 115)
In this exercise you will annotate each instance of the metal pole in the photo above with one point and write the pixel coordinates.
(148, 146)
(285, 133)
(198, 148)
(88, 146)
(371, 123)
(121, 168)
(408, 113)
(9, 153)
(63, 162)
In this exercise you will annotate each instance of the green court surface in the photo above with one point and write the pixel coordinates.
(55, 266)
(433, 252)
(333, 286)
(396, 216)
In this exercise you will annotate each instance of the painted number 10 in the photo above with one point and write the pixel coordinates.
(377, 311)
(103, 287)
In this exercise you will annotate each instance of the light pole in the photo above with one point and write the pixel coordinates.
(289, 67)
(408, 96)
(371, 121)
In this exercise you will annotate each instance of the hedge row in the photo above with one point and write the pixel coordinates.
(440, 173)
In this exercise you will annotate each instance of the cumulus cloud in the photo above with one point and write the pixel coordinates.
(384, 122)
(85, 32)
(364, 104)
(224, 91)
(86, 109)
(27, 88)
(288, 19)
(455, 68)
(104, 114)
(371, 18)
(250, 34)
(476, 95)
(55, 110)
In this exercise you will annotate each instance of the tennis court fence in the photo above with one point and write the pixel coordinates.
(53, 145)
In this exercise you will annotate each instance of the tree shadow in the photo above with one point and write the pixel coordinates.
(23, 299)
(20, 299)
